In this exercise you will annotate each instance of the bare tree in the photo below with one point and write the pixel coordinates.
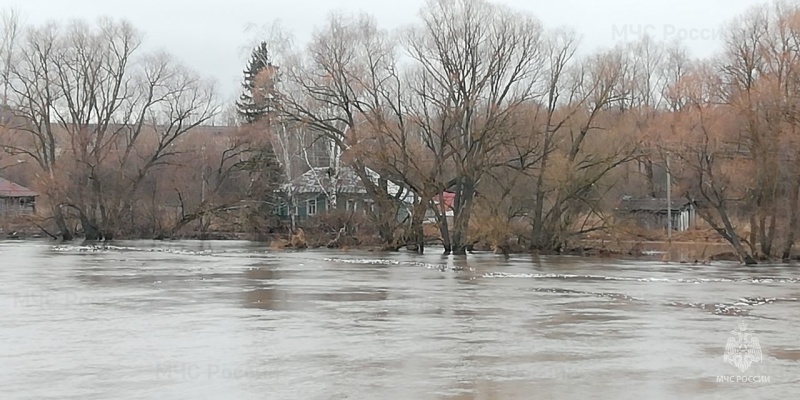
(487, 60)
(708, 166)
(559, 51)
(331, 92)
(34, 99)
(98, 119)
(10, 31)
(758, 81)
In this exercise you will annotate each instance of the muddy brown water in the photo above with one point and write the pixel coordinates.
(233, 320)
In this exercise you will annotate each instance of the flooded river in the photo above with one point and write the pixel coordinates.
(232, 320)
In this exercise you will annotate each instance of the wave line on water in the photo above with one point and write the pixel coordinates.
(105, 248)
(630, 279)
(383, 261)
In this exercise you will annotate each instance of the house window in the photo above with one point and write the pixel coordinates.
(311, 207)
(351, 205)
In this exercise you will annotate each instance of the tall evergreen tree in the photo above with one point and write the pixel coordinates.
(257, 99)
(258, 103)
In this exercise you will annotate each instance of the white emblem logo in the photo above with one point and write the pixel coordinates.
(742, 349)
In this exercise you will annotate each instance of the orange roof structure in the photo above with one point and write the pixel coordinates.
(12, 190)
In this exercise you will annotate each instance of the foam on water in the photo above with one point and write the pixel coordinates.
(382, 261)
(105, 248)
(626, 279)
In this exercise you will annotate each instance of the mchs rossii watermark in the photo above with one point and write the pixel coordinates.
(741, 351)
(666, 32)
(185, 371)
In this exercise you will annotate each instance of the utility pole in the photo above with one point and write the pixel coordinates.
(203, 192)
(669, 209)
(669, 202)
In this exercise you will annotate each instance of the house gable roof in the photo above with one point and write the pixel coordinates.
(11, 189)
(320, 179)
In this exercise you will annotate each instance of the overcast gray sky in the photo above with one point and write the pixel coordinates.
(211, 37)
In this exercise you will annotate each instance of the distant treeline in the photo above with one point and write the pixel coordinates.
(535, 142)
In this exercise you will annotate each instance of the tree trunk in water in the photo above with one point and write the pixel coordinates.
(61, 223)
(417, 231)
(537, 236)
(794, 196)
(727, 231)
(762, 236)
(90, 230)
(382, 215)
(767, 245)
(733, 238)
(448, 249)
(461, 215)
(386, 234)
(555, 241)
(420, 239)
(385, 210)
(444, 228)
(753, 243)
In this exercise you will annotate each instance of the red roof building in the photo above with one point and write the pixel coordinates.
(445, 201)
(10, 189)
(16, 199)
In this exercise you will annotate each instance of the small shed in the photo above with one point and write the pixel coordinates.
(652, 213)
(16, 199)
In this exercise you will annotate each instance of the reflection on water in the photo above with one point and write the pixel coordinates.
(283, 299)
(231, 320)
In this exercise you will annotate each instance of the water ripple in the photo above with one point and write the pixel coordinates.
(630, 279)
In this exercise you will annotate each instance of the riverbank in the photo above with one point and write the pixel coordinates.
(694, 246)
